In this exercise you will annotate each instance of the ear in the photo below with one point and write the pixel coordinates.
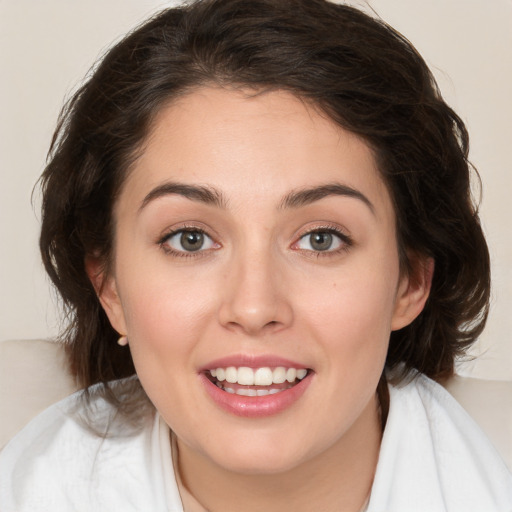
(413, 291)
(106, 289)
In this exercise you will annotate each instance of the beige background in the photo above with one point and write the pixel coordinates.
(47, 46)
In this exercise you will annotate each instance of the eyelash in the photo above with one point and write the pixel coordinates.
(163, 242)
(346, 242)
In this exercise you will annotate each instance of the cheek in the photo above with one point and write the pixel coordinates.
(349, 323)
(353, 304)
(354, 331)
(165, 310)
(350, 318)
(166, 316)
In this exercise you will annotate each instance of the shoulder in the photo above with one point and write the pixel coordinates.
(80, 455)
(433, 456)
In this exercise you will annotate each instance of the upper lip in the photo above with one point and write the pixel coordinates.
(252, 361)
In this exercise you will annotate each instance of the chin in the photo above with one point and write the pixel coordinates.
(261, 454)
(274, 464)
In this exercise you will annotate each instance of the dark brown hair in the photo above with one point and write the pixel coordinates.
(357, 70)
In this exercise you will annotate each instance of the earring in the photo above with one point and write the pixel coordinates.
(122, 341)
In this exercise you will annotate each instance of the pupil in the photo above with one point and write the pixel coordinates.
(192, 240)
(321, 241)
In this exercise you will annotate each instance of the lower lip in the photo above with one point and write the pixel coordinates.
(255, 406)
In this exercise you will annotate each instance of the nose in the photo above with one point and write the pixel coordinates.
(255, 299)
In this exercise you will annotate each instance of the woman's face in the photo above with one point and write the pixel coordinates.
(255, 233)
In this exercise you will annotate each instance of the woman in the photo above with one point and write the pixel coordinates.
(267, 205)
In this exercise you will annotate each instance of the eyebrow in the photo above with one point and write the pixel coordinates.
(201, 193)
(303, 197)
(294, 199)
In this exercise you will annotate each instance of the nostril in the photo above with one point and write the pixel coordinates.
(256, 315)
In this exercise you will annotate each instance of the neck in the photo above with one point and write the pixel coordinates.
(339, 478)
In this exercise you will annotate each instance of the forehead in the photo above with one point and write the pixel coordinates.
(257, 144)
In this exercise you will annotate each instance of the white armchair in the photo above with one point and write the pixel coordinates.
(33, 375)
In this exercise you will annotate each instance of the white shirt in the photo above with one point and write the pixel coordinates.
(433, 458)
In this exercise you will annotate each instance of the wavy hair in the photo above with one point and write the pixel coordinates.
(359, 71)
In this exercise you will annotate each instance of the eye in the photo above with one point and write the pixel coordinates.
(189, 240)
(322, 241)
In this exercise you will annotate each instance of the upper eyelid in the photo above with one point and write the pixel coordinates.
(187, 226)
(345, 237)
(164, 244)
(173, 233)
(343, 233)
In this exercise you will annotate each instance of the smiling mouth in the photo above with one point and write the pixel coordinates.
(251, 382)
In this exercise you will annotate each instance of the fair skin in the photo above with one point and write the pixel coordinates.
(234, 277)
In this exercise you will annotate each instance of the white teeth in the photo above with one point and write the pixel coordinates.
(231, 374)
(279, 375)
(249, 391)
(291, 374)
(246, 392)
(245, 376)
(301, 373)
(264, 376)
